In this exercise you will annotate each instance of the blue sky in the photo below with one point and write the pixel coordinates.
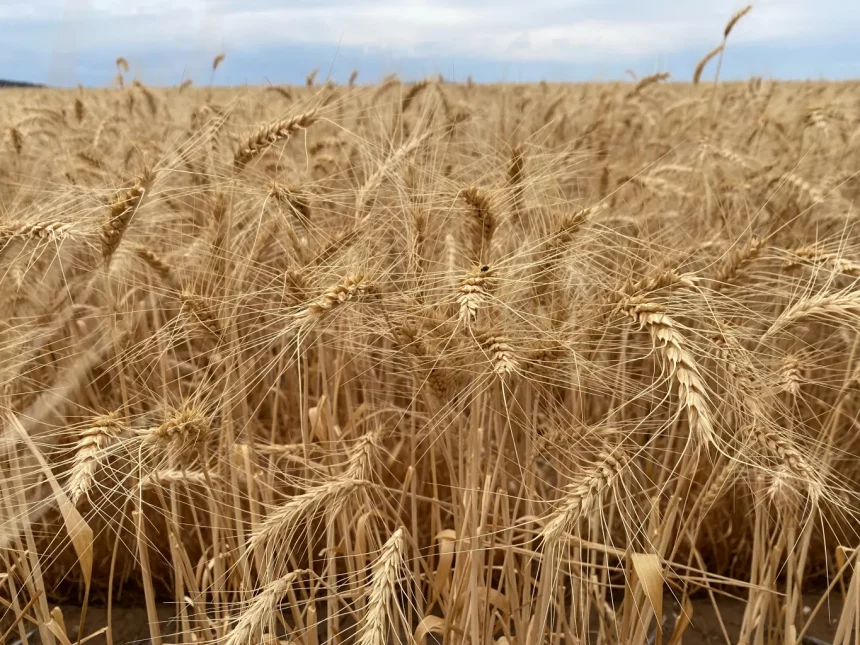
(65, 42)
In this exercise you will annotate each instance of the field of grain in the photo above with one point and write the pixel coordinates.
(431, 362)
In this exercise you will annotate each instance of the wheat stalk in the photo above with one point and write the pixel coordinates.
(167, 477)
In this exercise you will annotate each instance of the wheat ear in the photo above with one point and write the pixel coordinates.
(475, 291)
(383, 584)
(682, 366)
(503, 360)
(735, 19)
(481, 224)
(697, 75)
(837, 305)
(352, 287)
(270, 134)
(815, 255)
(413, 92)
(120, 211)
(180, 435)
(582, 493)
(90, 451)
(258, 613)
(737, 261)
(329, 498)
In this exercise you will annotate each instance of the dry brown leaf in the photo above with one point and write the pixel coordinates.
(429, 625)
(683, 622)
(79, 531)
(445, 540)
(649, 573)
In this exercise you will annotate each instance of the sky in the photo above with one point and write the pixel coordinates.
(66, 42)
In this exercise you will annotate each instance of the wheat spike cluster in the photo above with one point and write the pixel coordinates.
(431, 362)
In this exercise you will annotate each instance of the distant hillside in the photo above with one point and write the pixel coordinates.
(5, 83)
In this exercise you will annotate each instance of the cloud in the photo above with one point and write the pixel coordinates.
(601, 34)
(547, 30)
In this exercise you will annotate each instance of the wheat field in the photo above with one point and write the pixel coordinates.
(431, 362)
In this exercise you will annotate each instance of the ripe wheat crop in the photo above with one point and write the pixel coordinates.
(431, 362)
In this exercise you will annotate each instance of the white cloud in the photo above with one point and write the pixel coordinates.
(537, 30)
